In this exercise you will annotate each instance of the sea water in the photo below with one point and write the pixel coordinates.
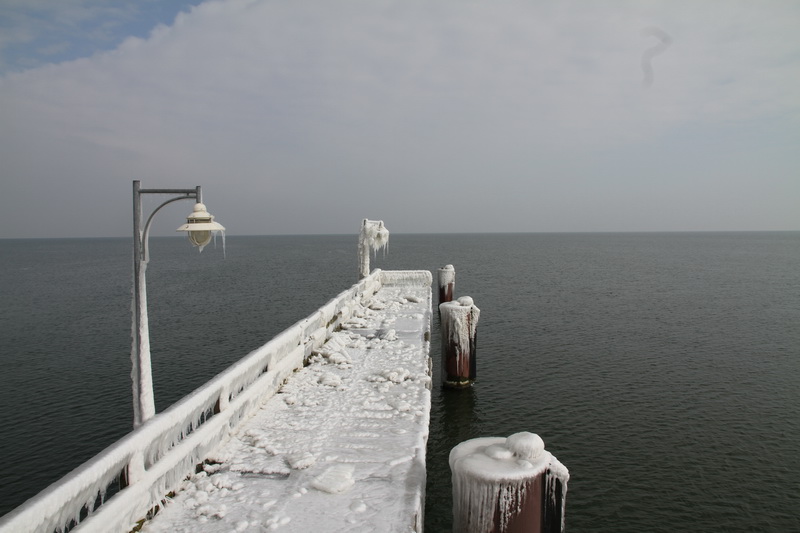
(662, 369)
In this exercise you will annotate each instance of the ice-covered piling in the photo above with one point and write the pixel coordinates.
(507, 485)
(459, 323)
(447, 283)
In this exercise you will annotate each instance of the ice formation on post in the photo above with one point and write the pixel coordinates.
(507, 484)
(374, 236)
(144, 406)
(447, 282)
(459, 323)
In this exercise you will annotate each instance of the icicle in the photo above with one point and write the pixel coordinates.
(377, 236)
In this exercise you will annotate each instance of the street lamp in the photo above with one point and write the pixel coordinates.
(200, 226)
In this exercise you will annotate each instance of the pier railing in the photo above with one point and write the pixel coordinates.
(153, 460)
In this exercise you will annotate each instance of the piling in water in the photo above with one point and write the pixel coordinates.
(459, 326)
(507, 485)
(447, 283)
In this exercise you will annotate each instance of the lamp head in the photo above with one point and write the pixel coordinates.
(200, 226)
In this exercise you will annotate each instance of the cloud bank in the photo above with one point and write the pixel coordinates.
(305, 117)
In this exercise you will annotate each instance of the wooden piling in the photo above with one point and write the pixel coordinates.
(459, 327)
(507, 486)
(447, 283)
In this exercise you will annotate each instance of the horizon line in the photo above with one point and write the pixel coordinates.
(588, 232)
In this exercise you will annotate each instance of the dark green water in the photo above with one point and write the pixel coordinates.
(662, 369)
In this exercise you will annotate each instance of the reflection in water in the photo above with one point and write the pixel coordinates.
(454, 419)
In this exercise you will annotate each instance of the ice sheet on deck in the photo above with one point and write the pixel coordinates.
(340, 448)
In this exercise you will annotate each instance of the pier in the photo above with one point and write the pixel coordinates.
(341, 447)
(322, 428)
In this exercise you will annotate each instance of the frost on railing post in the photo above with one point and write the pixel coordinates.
(507, 485)
(373, 237)
(134, 471)
(447, 283)
(459, 323)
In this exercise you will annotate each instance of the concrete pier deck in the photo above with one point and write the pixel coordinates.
(341, 447)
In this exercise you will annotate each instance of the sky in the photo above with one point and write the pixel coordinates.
(437, 116)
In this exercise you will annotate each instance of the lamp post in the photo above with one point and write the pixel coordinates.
(200, 227)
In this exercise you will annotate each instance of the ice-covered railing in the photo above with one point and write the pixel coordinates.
(154, 459)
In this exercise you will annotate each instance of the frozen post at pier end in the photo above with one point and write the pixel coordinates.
(507, 485)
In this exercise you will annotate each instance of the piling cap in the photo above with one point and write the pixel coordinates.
(466, 301)
(519, 457)
(525, 445)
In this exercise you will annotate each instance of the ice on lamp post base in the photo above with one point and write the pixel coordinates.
(507, 484)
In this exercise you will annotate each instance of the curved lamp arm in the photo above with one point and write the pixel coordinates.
(145, 251)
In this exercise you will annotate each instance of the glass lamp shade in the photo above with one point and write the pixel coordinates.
(200, 226)
(199, 238)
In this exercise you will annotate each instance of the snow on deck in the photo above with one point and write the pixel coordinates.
(341, 447)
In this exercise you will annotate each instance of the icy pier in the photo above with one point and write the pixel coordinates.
(322, 429)
(341, 447)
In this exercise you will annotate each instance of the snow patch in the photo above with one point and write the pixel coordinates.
(358, 506)
(329, 379)
(301, 460)
(336, 479)
(390, 335)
